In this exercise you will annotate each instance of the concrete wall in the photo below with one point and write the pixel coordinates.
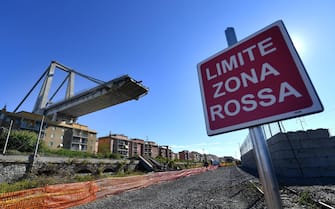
(305, 155)
(13, 168)
(10, 172)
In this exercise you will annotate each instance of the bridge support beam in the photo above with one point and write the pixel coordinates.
(42, 99)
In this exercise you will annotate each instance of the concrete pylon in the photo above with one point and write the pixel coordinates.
(70, 86)
(42, 98)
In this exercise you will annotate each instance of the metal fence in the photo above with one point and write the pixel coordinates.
(269, 130)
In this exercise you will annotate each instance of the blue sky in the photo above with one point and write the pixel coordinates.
(160, 43)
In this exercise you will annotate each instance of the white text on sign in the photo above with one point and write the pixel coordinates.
(249, 102)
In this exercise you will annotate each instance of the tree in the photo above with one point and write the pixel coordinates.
(20, 140)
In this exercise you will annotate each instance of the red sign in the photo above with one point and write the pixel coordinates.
(261, 79)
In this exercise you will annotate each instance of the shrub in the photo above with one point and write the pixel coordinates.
(20, 140)
(68, 153)
(305, 198)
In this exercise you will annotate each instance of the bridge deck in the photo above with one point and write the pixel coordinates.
(114, 92)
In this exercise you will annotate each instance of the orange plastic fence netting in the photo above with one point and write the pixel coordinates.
(68, 195)
(55, 196)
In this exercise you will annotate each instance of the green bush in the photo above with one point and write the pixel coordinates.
(20, 140)
(305, 198)
(161, 159)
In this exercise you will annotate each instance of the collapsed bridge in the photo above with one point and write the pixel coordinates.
(111, 93)
(106, 94)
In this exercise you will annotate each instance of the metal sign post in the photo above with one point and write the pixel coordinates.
(263, 160)
(265, 169)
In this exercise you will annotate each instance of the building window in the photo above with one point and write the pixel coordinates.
(84, 141)
(51, 143)
(76, 132)
(84, 134)
(75, 147)
(76, 140)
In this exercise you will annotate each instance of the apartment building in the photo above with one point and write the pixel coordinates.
(78, 137)
(136, 147)
(151, 149)
(121, 144)
(195, 156)
(105, 144)
(115, 143)
(72, 136)
(174, 156)
(21, 120)
(184, 155)
(165, 152)
(55, 134)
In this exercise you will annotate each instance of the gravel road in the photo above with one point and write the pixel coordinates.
(224, 188)
(217, 189)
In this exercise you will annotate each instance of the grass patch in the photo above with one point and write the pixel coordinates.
(83, 178)
(67, 153)
(21, 185)
(128, 173)
(305, 198)
(41, 181)
(77, 154)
